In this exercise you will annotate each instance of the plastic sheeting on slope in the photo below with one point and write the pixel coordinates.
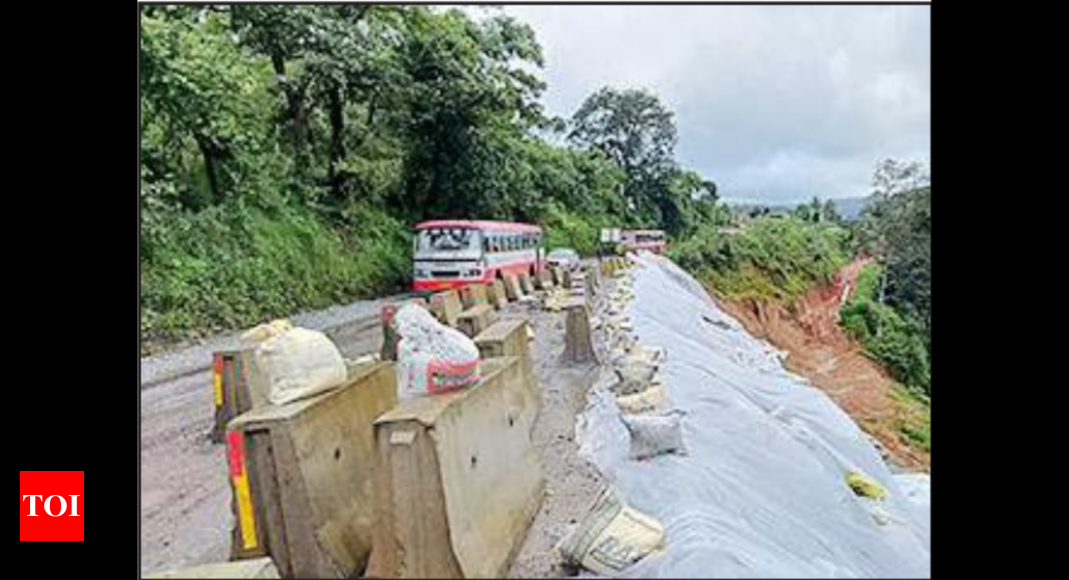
(762, 492)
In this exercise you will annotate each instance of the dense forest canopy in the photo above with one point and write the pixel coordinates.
(287, 150)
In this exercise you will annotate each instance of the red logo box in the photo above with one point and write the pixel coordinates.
(46, 484)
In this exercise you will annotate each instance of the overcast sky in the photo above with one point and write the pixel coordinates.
(774, 103)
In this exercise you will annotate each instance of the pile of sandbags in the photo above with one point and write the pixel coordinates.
(614, 536)
(641, 395)
(293, 363)
(642, 398)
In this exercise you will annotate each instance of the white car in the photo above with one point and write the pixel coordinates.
(566, 258)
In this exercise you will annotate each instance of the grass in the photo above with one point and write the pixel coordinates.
(232, 267)
(915, 422)
(775, 259)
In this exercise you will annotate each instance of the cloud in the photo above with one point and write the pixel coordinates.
(777, 103)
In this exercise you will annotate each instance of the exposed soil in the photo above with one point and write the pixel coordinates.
(820, 351)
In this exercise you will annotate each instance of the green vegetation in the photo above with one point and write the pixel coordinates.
(895, 341)
(286, 151)
(914, 418)
(232, 264)
(774, 258)
(891, 312)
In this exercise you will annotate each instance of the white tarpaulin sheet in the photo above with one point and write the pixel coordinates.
(762, 491)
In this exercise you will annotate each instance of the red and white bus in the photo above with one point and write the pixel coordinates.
(454, 253)
(650, 240)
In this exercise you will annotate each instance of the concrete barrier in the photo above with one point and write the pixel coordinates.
(558, 275)
(446, 307)
(301, 477)
(256, 568)
(457, 481)
(509, 338)
(578, 347)
(512, 288)
(526, 284)
(495, 292)
(473, 295)
(590, 285)
(594, 273)
(476, 319)
(543, 280)
(230, 389)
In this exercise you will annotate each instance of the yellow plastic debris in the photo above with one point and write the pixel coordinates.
(865, 486)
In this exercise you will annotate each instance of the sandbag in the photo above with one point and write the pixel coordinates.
(652, 399)
(635, 375)
(259, 334)
(298, 363)
(612, 537)
(650, 354)
(431, 357)
(653, 435)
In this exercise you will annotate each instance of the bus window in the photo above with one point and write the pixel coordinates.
(442, 239)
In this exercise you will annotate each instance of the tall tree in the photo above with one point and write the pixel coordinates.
(898, 226)
(283, 34)
(471, 106)
(200, 89)
(636, 131)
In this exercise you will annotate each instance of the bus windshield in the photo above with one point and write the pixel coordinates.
(449, 241)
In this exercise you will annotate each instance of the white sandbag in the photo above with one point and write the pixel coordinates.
(255, 336)
(431, 357)
(649, 354)
(650, 400)
(653, 435)
(298, 363)
(635, 375)
(612, 537)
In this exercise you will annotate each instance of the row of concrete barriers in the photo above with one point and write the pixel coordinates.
(353, 482)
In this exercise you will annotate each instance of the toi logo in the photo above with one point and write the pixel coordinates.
(59, 496)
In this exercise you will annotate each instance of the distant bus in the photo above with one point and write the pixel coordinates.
(651, 240)
(454, 253)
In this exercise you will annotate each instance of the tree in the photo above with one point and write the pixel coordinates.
(893, 177)
(282, 33)
(201, 91)
(471, 108)
(635, 130)
(830, 214)
(897, 227)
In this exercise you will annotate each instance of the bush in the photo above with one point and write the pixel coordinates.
(773, 258)
(572, 230)
(895, 341)
(231, 266)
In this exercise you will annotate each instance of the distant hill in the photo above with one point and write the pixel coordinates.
(743, 208)
(850, 208)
